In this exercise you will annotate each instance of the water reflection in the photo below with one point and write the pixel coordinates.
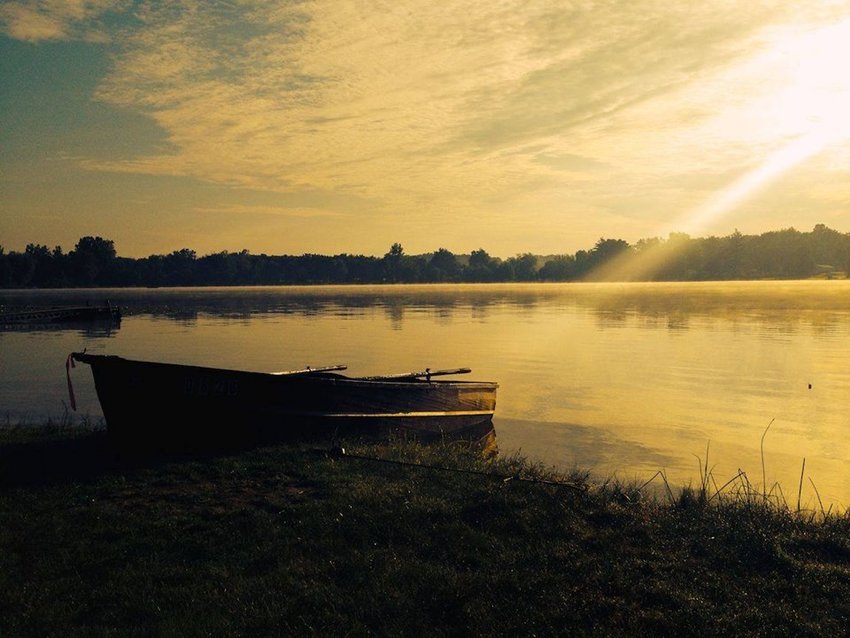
(624, 378)
(674, 305)
(589, 448)
(88, 329)
(189, 303)
(670, 305)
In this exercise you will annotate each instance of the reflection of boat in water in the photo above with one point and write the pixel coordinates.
(60, 315)
(160, 403)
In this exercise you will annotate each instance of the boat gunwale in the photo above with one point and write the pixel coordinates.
(328, 377)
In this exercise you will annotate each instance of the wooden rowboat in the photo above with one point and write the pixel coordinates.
(145, 401)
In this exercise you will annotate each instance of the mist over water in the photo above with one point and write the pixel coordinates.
(623, 379)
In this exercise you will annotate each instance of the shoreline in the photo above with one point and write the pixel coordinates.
(292, 538)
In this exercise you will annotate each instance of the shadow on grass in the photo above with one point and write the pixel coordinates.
(29, 458)
(47, 455)
(47, 458)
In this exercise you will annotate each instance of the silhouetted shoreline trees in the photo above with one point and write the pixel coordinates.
(783, 254)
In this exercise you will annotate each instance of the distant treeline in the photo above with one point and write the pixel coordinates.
(784, 254)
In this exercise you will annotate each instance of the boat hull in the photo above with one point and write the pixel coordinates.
(185, 405)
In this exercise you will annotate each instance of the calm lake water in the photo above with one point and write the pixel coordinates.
(621, 379)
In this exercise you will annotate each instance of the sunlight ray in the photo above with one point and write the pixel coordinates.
(803, 118)
(727, 200)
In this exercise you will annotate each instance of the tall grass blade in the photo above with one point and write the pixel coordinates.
(651, 479)
(817, 494)
(800, 489)
(763, 472)
(727, 483)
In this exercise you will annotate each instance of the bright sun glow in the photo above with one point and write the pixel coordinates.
(805, 115)
(804, 112)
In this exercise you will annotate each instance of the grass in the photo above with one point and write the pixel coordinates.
(299, 540)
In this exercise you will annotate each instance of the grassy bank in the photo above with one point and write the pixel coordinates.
(295, 540)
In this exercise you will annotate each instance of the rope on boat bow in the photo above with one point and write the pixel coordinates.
(69, 363)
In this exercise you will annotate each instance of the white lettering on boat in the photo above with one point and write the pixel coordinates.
(211, 387)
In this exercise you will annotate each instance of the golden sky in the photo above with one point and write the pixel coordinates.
(333, 126)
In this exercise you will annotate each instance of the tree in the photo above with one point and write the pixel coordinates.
(482, 267)
(443, 266)
(829, 248)
(561, 268)
(392, 263)
(179, 267)
(582, 262)
(44, 271)
(5, 269)
(396, 252)
(525, 267)
(733, 256)
(607, 249)
(93, 260)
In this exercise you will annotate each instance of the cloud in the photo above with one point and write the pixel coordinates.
(41, 20)
(25, 23)
(469, 110)
(423, 97)
(274, 211)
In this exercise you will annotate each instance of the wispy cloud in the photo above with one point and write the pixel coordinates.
(433, 100)
(467, 110)
(274, 211)
(38, 20)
